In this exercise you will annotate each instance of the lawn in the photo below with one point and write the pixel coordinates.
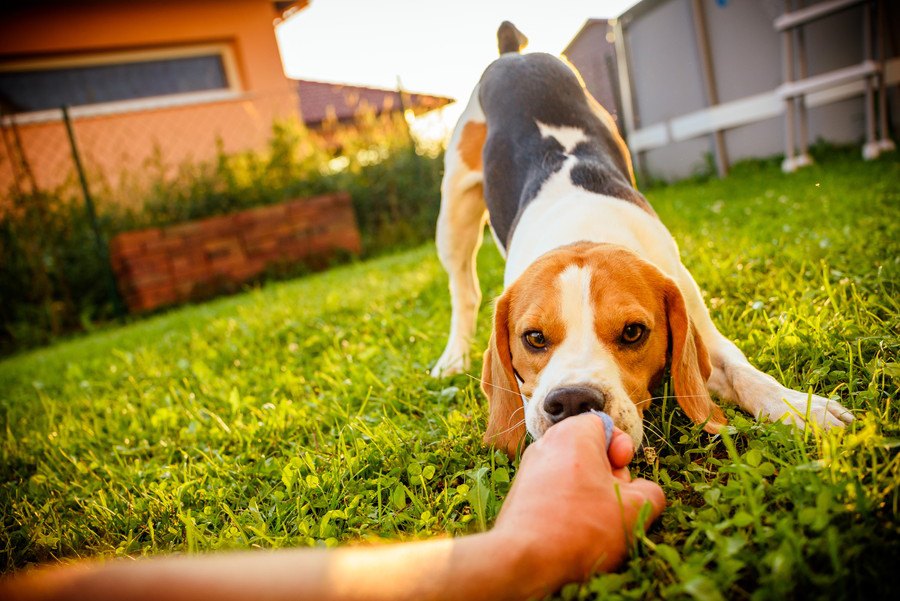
(301, 413)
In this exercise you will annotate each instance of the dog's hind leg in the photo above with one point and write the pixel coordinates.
(460, 229)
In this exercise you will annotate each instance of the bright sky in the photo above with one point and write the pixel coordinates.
(435, 46)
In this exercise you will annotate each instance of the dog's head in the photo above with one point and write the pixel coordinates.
(590, 326)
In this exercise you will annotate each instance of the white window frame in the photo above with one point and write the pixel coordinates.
(224, 50)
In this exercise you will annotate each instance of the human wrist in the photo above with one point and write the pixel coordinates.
(523, 553)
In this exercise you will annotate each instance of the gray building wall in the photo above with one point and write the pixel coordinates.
(666, 82)
(746, 61)
(595, 59)
(746, 53)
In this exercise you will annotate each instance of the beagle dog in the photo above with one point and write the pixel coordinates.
(596, 299)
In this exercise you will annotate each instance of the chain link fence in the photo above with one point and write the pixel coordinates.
(126, 148)
(147, 165)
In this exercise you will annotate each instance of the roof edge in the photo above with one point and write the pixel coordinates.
(587, 25)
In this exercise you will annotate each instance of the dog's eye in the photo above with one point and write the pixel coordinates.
(535, 339)
(633, 333)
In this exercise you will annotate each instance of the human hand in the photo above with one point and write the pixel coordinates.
(564, 505)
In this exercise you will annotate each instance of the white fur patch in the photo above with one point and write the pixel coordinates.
(577, 308)
(563, 213)
(568, 137)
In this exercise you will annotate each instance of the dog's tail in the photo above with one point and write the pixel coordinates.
(510, 39)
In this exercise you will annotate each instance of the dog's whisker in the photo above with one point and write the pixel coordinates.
(651, 427)
(516, 410)
(636, 388)
(521, 422)
(677, 396)
(491, 384)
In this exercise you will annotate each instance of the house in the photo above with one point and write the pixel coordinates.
(153, 85)
(322, 102)
(593, 53)
(692, 79)
(146, 80)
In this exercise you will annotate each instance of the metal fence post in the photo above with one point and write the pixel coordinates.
(99, 241)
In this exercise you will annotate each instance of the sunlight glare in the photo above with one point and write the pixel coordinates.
(434, 47)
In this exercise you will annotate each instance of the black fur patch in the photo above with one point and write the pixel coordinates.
(516, 92)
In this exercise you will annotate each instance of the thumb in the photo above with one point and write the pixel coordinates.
(581, 435)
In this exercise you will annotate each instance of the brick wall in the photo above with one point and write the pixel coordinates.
(165, 266)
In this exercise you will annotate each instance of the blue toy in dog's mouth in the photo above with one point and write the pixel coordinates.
(607, 425)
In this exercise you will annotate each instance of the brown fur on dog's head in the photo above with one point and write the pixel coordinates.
(506, 422)
(622, 288)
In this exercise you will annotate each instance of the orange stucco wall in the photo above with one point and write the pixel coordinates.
(116, 145)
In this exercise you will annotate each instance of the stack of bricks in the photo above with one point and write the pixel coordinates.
(165, 266)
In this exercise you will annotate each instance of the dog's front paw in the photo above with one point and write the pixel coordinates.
(798, 408)
(452, 362)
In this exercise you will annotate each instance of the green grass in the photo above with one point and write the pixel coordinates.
(301, 413)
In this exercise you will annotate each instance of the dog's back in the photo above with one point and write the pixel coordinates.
(538, 115)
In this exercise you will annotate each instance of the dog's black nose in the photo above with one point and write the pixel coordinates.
(571, 400)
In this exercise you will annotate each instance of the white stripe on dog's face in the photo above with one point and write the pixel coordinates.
(581, 359)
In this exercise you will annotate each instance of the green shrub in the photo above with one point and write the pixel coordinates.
(52, 281)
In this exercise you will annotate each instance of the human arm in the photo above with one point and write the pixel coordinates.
(562, 521)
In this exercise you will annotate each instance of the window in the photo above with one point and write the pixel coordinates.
(45, 84)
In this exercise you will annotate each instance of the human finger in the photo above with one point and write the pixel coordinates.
(640, 492)
(622, 474)
(621, 449)
(583, 434)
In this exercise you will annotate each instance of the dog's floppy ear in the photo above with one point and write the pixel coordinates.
(690, 364)
(506, 419)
